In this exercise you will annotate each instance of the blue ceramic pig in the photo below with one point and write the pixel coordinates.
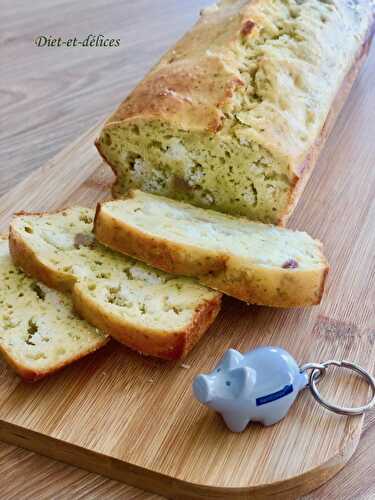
(258, 386)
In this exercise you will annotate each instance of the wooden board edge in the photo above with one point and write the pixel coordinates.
(171, 487)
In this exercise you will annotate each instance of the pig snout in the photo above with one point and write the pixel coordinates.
(203, 389)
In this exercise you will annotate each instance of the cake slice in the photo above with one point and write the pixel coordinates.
(155, 313)
(39, 332)
(254, 262)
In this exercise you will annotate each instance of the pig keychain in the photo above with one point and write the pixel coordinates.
(261, 385)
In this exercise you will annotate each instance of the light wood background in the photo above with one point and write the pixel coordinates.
(48, 97)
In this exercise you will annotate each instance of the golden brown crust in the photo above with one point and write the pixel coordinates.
(161, 344)
(168, 257)
(30, 375)
(25, 373)
(322, 285)
(181, 89)
(33, 375)
(305, 289)
(226, 273)
(25, 257)
(29, 261)
(185, 83)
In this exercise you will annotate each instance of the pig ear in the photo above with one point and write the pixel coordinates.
(243, 380)
(231, 359)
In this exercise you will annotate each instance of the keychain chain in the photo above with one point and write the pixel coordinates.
(318, 370)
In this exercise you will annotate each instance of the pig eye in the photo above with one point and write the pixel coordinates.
(228, 383)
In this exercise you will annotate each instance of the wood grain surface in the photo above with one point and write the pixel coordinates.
(47, 99)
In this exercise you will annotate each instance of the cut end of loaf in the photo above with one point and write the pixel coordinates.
(220, 172)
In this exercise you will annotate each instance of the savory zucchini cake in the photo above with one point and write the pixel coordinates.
(39, 331)
(155, 313)
(254, 262)
(232, 118)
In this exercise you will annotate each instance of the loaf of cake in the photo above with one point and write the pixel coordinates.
(254, 262)
(39, 332)
(155, 313)
(233, 117)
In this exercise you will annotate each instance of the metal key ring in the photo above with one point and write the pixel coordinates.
(342, 410)
(318, 368)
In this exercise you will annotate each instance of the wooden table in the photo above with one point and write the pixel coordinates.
(48, 96)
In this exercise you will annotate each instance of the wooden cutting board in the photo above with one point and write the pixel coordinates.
(134, 419)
